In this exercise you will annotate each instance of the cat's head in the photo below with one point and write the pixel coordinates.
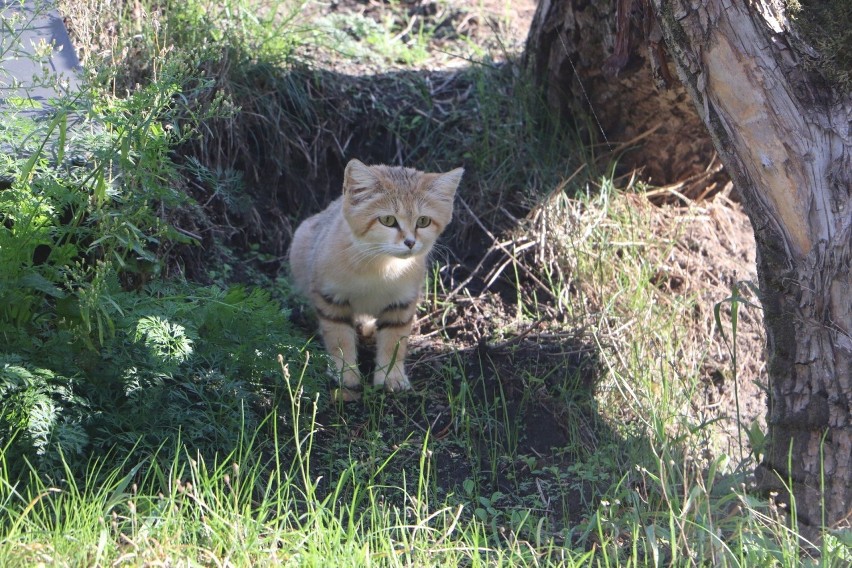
(398, 212)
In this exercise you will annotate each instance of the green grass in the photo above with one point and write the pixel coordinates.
(242, 510)
(260, 505)
(558, 417)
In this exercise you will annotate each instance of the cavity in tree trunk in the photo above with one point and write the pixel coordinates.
(784, 134)
(593, 60)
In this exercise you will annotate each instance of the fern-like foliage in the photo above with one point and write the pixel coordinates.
(41, 417)
(166, 341)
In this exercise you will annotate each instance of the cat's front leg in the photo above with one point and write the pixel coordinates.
(391, 347)
(341, 343)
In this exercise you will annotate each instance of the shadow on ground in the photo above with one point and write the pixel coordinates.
(500, 422)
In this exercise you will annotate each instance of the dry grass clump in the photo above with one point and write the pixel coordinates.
(646, 279)
(641, 280)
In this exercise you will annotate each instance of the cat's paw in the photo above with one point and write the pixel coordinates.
(350, 386)
(349, 378)
(395, 381)
(344, 394)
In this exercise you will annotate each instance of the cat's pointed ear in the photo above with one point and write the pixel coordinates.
(446, 184)
(357, 176)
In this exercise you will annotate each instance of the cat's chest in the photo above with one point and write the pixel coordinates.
(371, 293)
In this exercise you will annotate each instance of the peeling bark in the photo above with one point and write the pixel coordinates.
(785, 139)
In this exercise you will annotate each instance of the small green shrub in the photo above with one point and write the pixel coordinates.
(100, 352)
(186, 366)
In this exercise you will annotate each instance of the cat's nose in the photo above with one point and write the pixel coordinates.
(409, 243)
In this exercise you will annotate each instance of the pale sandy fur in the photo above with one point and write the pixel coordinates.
(355, 270)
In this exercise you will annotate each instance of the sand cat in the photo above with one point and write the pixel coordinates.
(362, 262)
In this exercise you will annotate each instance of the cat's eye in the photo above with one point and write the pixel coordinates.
(388, 220)
(423, 221)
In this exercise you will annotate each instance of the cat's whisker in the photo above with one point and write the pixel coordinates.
(441, 252)
(367, 254)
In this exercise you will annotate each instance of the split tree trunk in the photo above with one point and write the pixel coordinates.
(785, 137)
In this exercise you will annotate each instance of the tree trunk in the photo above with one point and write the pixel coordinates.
(785, 137)
(592, 62)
